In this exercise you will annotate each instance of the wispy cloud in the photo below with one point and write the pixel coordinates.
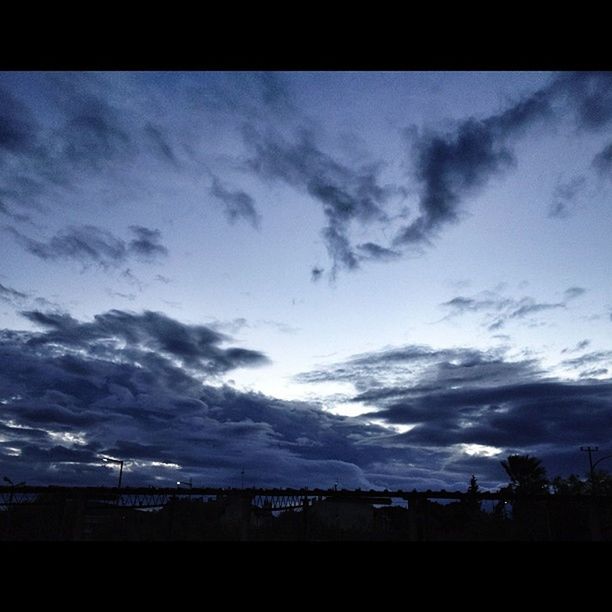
(146, 243)
(500, 309)
(237, 204)
(451, 166)
(89, 244)
(13, 297)
(565, 197)
(316, 273)
(578, 347)
(99, 131)
(346, 193)
(602, 162)
(574, 292)
(373, 251)
(24, 299)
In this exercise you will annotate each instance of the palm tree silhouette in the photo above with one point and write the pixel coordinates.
(527, 474)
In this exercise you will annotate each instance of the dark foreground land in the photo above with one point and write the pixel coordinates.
(153, 514)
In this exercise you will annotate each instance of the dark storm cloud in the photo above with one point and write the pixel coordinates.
(346, 193)
(237, 204)
(463, 398)
(114, 386)
(499, 309)
(451, 166)
(89, 244)
(195, 345)
(524, 416)
(602, 162)
(565, 195)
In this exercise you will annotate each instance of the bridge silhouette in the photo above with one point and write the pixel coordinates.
(79, 510)
(274, 499)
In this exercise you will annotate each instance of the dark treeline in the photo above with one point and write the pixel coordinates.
(531, 507)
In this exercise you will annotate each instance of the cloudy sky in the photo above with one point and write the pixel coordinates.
(375, 279)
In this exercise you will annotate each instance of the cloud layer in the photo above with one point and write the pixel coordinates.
(479, 401)
(145, 388)
(138, 386)
(451, 166)
(95, 130)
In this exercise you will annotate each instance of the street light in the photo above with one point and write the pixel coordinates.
(13, 487)
(184, 484)
(120, 462)
(10, 500)
(7, 479)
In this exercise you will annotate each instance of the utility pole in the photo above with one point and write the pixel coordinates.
(594, 511)
(591, 450)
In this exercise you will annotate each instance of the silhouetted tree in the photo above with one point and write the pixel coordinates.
(574, 485)
(527, 477)
(527, 474)
(473, 489)
(471, 500)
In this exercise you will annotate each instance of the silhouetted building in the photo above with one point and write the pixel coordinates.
(350, 514)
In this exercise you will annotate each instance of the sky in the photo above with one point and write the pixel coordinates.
(369, 279)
